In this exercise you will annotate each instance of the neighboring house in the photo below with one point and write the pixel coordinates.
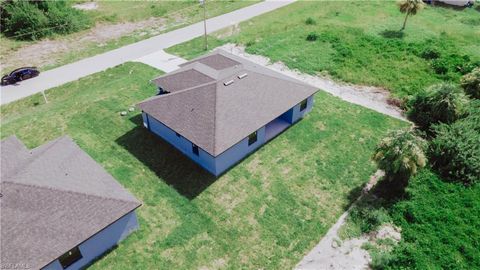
(219, 108)
(59, 208)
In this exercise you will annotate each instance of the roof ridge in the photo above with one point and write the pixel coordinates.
(177, 92)
(68, 191)
(32, 157)
(215, 118)
(293, 80)
(45, 149)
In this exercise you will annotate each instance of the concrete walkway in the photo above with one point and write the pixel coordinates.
(74, 71)
(162, 60)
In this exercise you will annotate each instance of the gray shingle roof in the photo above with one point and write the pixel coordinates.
(216, 116)
(54, 197)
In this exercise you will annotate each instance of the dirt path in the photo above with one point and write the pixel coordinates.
(333, 254)
(371, 97)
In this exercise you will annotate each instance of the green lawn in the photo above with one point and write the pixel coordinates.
(265, 213)
(357, 42)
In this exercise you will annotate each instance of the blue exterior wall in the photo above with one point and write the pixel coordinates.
(101, 242)
(237, 152)
(297, 114)
(204, 159)
(218, 165)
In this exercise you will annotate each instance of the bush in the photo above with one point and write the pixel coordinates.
(430, 53)
(23, 20)
(312, 36)
(400, 155)
(441, 103)
(455, 152)
(453, 63)
(36, 19)
(310, 21)
(471, 83)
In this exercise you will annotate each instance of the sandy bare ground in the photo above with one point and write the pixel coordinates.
(86, 6)
(371, 97)
(50, 51)
(333, 254)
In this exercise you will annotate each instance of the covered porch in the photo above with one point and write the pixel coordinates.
(275, 127)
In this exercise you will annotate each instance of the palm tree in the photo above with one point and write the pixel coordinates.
(400, 155)
(410, 7)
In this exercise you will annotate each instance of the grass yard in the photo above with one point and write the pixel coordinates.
(265, 213)
(358, 42)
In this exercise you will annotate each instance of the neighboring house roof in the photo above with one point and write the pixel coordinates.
(54, 197)
(216, 115)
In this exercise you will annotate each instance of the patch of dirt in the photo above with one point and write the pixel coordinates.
(389, 231)
(86, 6)
(332, 253)
(49, 51)
(375, 98)
(228, 32)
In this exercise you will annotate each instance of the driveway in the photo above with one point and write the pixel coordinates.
(74, 71)
(162, 60)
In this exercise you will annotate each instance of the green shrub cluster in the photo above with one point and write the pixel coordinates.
(30, 20)
(310, 21)
(400, 154)
(445, 63)
(455, 151)
(471, 83)
(312, 36)
(452, 63)
(441, 103)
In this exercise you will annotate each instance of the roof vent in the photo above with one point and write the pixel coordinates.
(241, 76)
(228, 82)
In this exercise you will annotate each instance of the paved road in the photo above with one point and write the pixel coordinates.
(87, 66)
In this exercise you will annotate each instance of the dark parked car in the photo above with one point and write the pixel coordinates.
(20, 74)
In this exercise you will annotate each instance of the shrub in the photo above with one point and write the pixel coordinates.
(453, 63)
(312, 36)
(310, 21)
(400, 155)
(64, 19)
(455, 152)
(23, 20)
(471, 83)
(430, 53)
(37, 19)
(441, 103)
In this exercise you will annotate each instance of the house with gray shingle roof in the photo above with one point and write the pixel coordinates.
(59, 208)
(219, 108)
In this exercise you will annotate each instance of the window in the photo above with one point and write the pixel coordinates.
(252, 138)
(303, 105)
(70, 257)
(195, 149)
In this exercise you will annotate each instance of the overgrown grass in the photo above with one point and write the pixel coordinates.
(359, 42)
(266, 212)
(439, 222)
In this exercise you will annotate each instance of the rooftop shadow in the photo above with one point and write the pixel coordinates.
(169, 164)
